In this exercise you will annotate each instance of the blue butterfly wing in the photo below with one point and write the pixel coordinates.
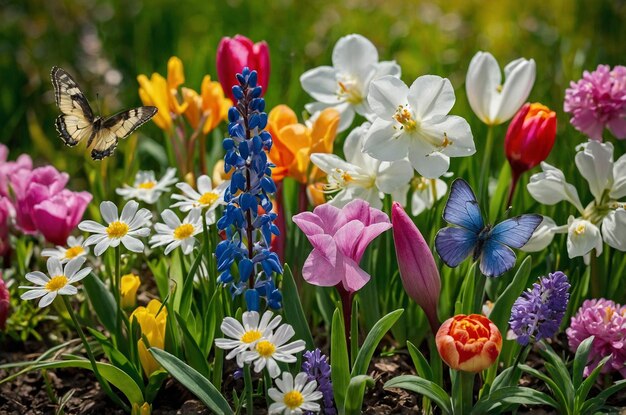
(462, 208)
(455, 244)
(496, 258)
(515, 232)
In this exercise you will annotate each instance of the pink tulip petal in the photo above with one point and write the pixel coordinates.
(317, 270)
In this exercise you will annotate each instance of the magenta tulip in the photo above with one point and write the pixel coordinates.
(5, 306)
(419, 273)
(233, 54)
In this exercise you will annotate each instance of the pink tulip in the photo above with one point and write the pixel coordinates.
(4, 304)
(233, 54)
(22, 165)
(339, 238)
(5, 214)
(419, 273)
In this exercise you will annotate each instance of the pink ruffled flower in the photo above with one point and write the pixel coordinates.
(339, 238)
(607, 322)
(22, 165)
(42, 204)
(598, 100)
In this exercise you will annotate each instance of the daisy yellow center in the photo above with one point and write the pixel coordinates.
(251, 336)
(56, 283)
(265, 348)
(293, 399)
(208, 198)
(147, 185)
(73, 252)
(117, 229)
(580, 229)
(183, 231)
(403, 116)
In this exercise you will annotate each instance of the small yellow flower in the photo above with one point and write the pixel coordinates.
(152, 328)
(128, 290)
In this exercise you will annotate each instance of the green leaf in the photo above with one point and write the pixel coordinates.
(339, 365)
(193, 381)
(502, 307)
(616, 387)
(154, 384)
(354, 395)
(513, 395)
(102, 302)
(423, 387)
(497, 200)
(559, 394)
(187, 293)
(468, 289)
(421, 364)
(580, 361)
(116, 357)
(294, 314)
(585, 387)
(193, 354)
(374, 337)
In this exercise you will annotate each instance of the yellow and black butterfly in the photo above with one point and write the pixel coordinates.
(77, 121)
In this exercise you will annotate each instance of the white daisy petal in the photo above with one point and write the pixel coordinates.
(108, 211)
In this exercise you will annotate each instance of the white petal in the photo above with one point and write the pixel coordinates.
(427, 163)
(328, 162)
(232, 328)
(108, 211)
(272, 367)
(431, 96)
(132, 244)
(453, 128)
(482, 82)
(520, 78)
(47, 299)
(91, 226)
(170, 219)
(73, 266)
(353, 146)
(582, 237)
(542, 237)
(354, 53)
(550, 187)
(619, 178)
(33, 293)
(95, 239)
(614, 229)
(54, 267)
(385, 94)
(204, 184)
(37, 277)
(385, 143)
(392, 176)
(187, 190)
(321, 84)
(68, 290)
(102, 246)
(387, 68)
(128, 213)
(595, 163)
(80, 275)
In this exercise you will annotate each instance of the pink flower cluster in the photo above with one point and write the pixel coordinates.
(598, 100)
(607, 322)
(37, 200)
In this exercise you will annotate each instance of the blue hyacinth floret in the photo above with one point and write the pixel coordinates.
(248, 233)
(316, 366)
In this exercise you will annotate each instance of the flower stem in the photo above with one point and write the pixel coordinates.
(248, 383)
(105, 385)
(484, 170)
(118, 282)
(281, 222)
(514, 179)
(465, 403)
(595, 278)
(346, 305)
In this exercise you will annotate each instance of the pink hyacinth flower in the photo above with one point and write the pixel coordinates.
(598, 100)
(339, 238)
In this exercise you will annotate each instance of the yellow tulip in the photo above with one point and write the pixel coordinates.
(145, 409)
(128, 290)
(219, 174)
(211, 105)
(153, 329)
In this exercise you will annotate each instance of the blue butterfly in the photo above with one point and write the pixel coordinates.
(492, 244)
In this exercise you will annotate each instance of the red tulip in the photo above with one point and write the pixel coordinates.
(529, 139)
(233, 54)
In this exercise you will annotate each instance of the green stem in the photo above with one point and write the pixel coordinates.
(116, 289)
(467, 393)
(105, 385)
(479, 290)
(595, 278)
(484, 169)
(248, 383)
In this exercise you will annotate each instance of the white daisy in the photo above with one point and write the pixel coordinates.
(59, 282)
(74, 249)
(175, 233)
(272, 348)
(243, 337)
(146, 188)
(206, 197)
(125, 228)
(294, 397)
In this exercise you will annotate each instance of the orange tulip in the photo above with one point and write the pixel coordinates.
(293, 143)
(469, 343)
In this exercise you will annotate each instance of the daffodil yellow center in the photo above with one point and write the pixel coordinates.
(265, 348)
(147, 185)
(349, 90)
(73, 252)
(208, 198)
(293, 399)
(56, 283)
(580, 229)
(251, 336)
(183, 231)
(403, 116)
(420, 183)
(117, 229)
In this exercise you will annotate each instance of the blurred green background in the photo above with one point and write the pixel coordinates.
(105, 44)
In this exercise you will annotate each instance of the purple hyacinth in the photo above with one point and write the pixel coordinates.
(538, 312)
(316, 366)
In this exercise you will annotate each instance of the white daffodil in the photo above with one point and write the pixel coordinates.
(274, 348)
(294, 397)
(75, 248)
(175, 233)
(146, 188)
(603, 219)
(244, 337)
(206, 197)
(59, 282)
(491, 100)
(425, 192)
(345, 85)
(360, 176)
(414, 122)
(124, 229)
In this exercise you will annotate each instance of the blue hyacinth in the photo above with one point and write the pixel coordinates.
(248, 233)
(316, 366)
(538, 312)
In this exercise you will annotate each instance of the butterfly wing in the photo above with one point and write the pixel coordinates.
(76, 121)
(455, 244)
(119, 126)
(515, 232)
(496, 258)
(462, 208)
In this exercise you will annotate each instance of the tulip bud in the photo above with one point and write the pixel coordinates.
(145, 409)
(128, 290)
(530, 137)
(419, 273)
(469, 343)
(4, 304)
(152, 320)
(233, 54)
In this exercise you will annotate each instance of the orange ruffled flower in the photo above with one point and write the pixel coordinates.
(210, 103)
(293, 143)
(163, 94)
(153, 328)
(469, 343)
